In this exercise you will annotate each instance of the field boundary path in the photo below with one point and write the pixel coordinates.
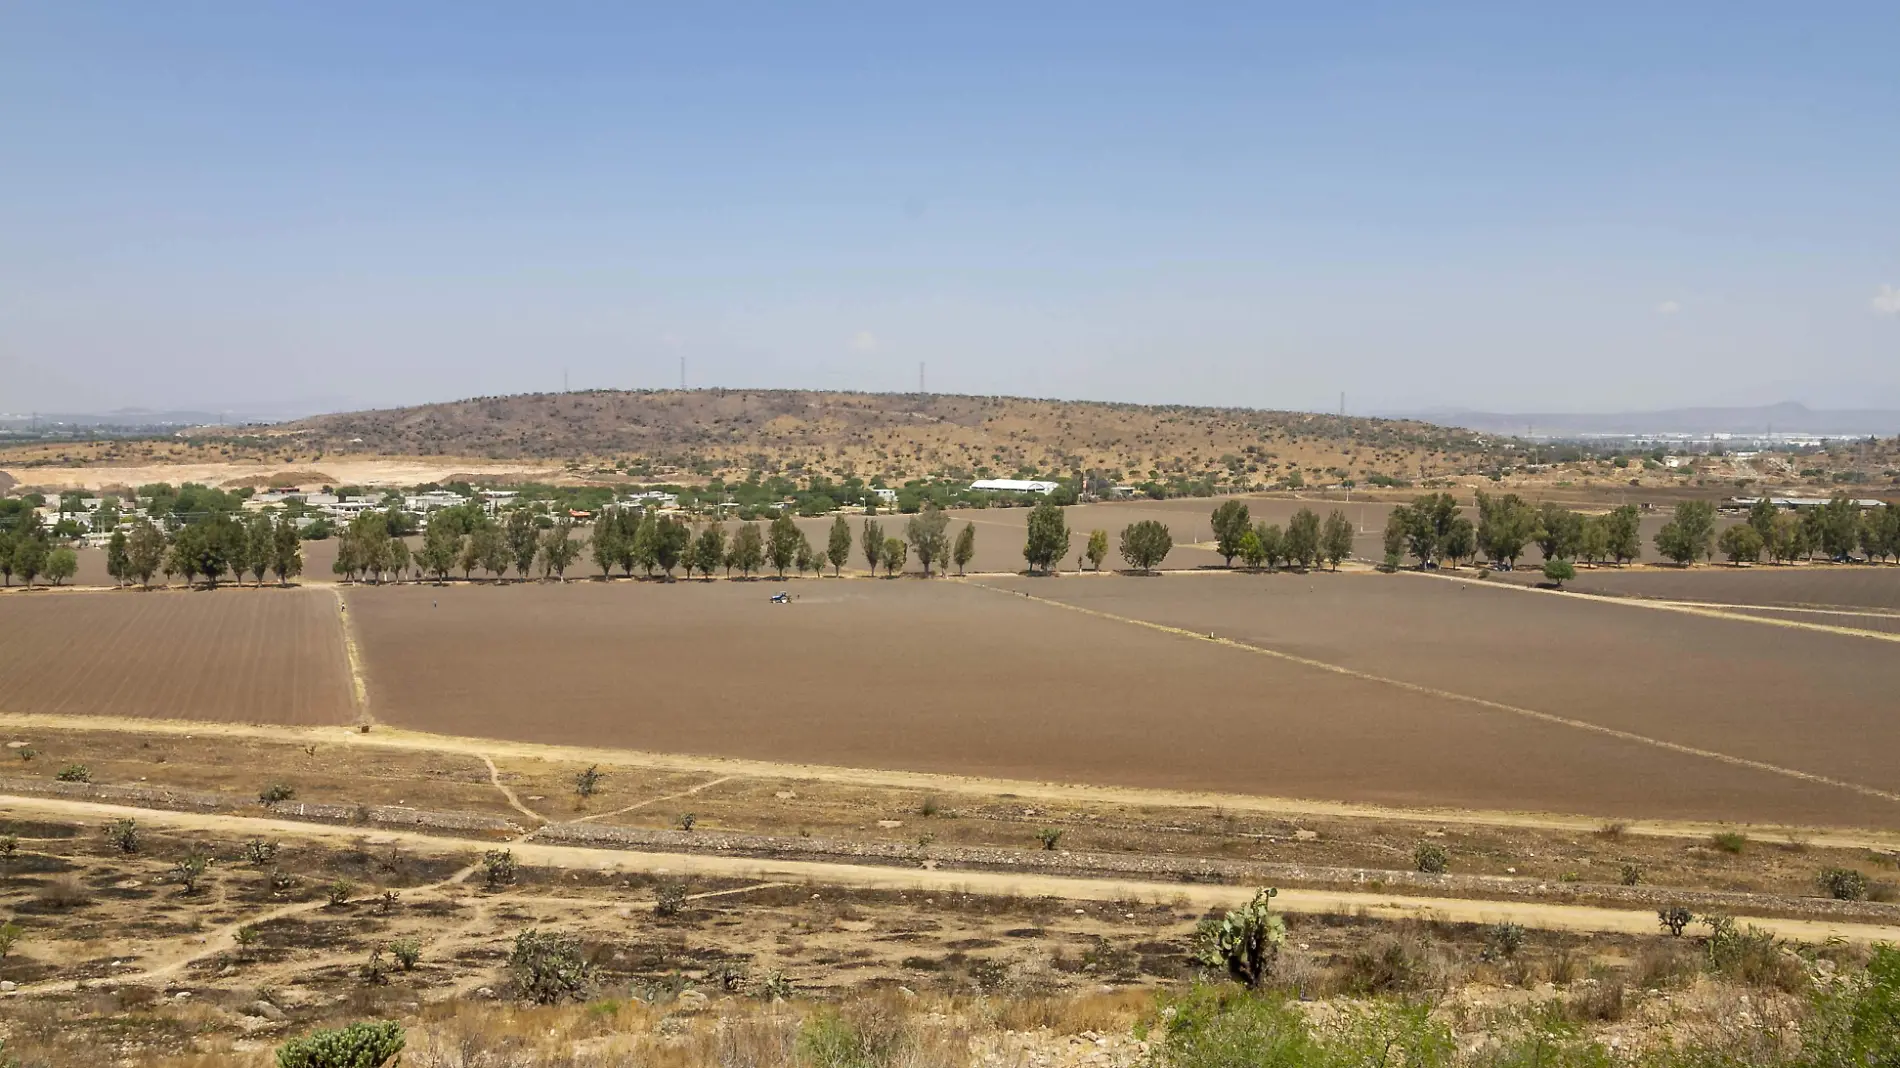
(1482, 702)
(1540, 915)
(417, 741)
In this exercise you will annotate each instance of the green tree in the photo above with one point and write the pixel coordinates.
(117, 560)
(747, 552)
(1741, 543)
(893, 556)
(781, 542)
(1302, 538)
(1685, 538)
(871, 541)
(838, 546)
(1272, 543)
(524, 541)
(1559, 531)
(1252, 553)
(400, 558)
(1144, 545)
(260, 537)
(929, 534)
(604, 542)
(965, 549)
(1505, 525)
(1622, 530)
(1231, 522)
(1840, 523)
(1048, 538)
(1335, 539)
(1761, 516)
(61, 564)
(1097, 548)
(144, 551)
(1459, 542)
(441, 546)
(1399, 524)
(1559, 570)
(709, 549)
(1594, 542)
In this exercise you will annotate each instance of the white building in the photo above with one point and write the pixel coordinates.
(1013, 485)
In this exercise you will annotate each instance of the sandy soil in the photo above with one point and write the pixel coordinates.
(337, 471)
(948, 678)
(269, 654)
(1797, 586)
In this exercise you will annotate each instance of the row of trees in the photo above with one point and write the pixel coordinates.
(1304, 543)
(29, 550)
(1834, 531)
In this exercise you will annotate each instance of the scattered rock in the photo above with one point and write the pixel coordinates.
(267, 1011)
(691, 1001)
(17, 745)
(786, 795)
(888, 824)
(8, 986)
(1306, 836)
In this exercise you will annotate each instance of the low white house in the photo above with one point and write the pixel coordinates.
(1013, 485)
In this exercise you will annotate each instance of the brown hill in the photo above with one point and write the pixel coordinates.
(706, 432)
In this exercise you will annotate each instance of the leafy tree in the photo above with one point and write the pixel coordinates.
(1559, 571)
(1761, 516)
(1231, 521)
(872, 543)
(441, 547)
(1840, 524)
(400, 558)
(260, 537)
(1741, 543)
(747, 552)
(894, 554)
(1097, 549)
(1685, 538)
(116, 561)
(838, 545)
(965, 549)
(1144, 545)
(1251, 552)
(1048, 539)
(8, 543)
(360, 1045)
(558, 549)
(1505, 525)
(144, 551)
(1335, 539)
(1302, 538)
(1272, 543)
(524, 541)
(604, 543)
(1622, 532)
(709, 549)
(671, 538)
(1559, 531)
(61, 564)
(1399, 525)
(1594, 542)
(805, 559)
(929, 534)
(781, 542)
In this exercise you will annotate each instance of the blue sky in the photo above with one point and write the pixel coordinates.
(351, 204)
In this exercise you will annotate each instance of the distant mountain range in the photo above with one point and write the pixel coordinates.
(1785, 418)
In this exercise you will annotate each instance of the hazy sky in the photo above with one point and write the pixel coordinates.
(1513, 206)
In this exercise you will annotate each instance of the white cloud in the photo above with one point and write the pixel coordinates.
(864, 341)
(1887, 301)
(1668, 307)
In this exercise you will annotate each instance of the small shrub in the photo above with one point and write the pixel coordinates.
(1632, 874)
(74, 773)
(548, 967)
(339, 892)
(408, 953)
(1503, 941)
(1751, 955)
(9, 845)
(27, 753)
(587, 783)
(190, 869)
(1431, 858)
(1675, 919)
(499, 868)
(669, 900)
(387, 903)
(282, 882)
(1843, 884)
(10, 935)
(1049, 836)
(1613, 830)
(246, 938)
(260, 852)
(360, 1045)
(65, 892)
(1605, 1001)
(275, 792)
(1390, 964)
(124, 835)
(772, 986)
(929, 806)
(687, 821)
(1732, 842)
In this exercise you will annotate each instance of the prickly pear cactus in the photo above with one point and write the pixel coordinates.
(1244, 942)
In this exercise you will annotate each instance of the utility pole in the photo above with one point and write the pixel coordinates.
(682, 372)
(920, 376)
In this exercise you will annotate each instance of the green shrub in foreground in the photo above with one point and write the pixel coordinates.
(360, 1045)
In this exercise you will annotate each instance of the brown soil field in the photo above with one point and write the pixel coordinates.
(1796, 586)
(946, 677)
(1812, 703)
(270, 655)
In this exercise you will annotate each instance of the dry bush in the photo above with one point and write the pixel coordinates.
(1604, 1000)
(1073, 1015)
(1663, 964)
(64, 892)
(1402, 961)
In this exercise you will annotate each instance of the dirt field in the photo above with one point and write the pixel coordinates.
(945, 677)
(271, 655)
(1853, 587)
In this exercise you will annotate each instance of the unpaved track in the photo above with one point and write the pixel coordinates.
(868, 877)
(1292, 808)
